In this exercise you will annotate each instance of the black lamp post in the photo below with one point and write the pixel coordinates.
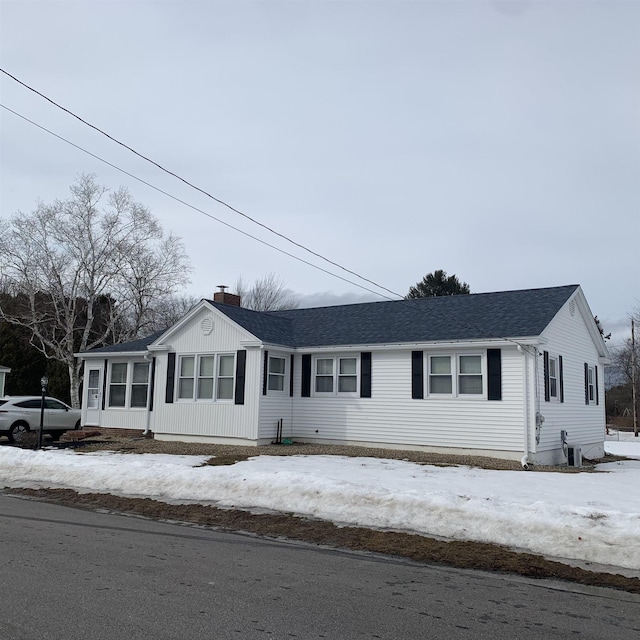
(44, 381)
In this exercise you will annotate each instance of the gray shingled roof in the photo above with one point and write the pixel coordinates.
(505, 314)
(476, 316)
(133, 346)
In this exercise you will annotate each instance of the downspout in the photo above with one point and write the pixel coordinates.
(525, 458)
(149, 358)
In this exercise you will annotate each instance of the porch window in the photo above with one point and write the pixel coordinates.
(118, 385)
(140, 384)
(128, 385)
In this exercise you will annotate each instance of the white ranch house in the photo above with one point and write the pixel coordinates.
(499, 374)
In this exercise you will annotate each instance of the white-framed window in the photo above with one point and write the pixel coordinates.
(324, 375)
(553, 377)
(470, 375)
(276, 373)
(118, 385)
(591, 385)
(336, 375)
(186, 377)
(139, 385)
(440, 378)
(456, 374)
(128, 385)
(225, 377)
(347, 375)
(206, 377)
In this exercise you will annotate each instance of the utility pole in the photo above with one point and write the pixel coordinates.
(633, 379)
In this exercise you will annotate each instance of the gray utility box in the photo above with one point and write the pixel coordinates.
(574, 455)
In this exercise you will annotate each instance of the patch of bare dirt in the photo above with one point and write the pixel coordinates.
(237, 453)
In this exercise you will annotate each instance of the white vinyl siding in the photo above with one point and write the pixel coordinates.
(567, 334)
(277, 404)
(204, 420)
(391, 418)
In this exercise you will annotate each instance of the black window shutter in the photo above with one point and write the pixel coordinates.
(104, 382)
(265, 372)
(241, 367)
(305, 391)
(494, 374)
(586, 383)
(365, 374)
(417, 375)
(561, 376)
(171, 377)
(547, 389)
(292, 360)
(595, 371)
(152, 383)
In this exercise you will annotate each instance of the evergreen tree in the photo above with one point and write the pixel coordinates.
(437, 283)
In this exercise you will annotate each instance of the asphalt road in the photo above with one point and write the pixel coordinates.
(69, 574)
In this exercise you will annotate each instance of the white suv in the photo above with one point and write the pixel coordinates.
(20, 414)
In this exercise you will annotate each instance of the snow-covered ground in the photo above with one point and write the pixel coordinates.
(592, 517)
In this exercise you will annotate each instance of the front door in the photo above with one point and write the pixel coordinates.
(94, 397)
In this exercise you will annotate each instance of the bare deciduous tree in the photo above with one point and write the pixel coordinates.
(87, 271)
(268, 293)
(168, 311)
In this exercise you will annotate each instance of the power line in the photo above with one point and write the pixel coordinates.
(467, 324)
(206, 213)
(193, 186)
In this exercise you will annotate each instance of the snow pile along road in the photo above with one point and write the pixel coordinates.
(593, 517)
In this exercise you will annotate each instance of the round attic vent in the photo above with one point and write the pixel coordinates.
(572, 307)
(206, 326)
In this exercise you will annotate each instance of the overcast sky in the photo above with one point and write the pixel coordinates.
(497, 140)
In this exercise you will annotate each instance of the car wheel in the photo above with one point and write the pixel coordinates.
(77, 425)
(17, 431)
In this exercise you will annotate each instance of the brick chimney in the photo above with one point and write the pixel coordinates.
(226, 298)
